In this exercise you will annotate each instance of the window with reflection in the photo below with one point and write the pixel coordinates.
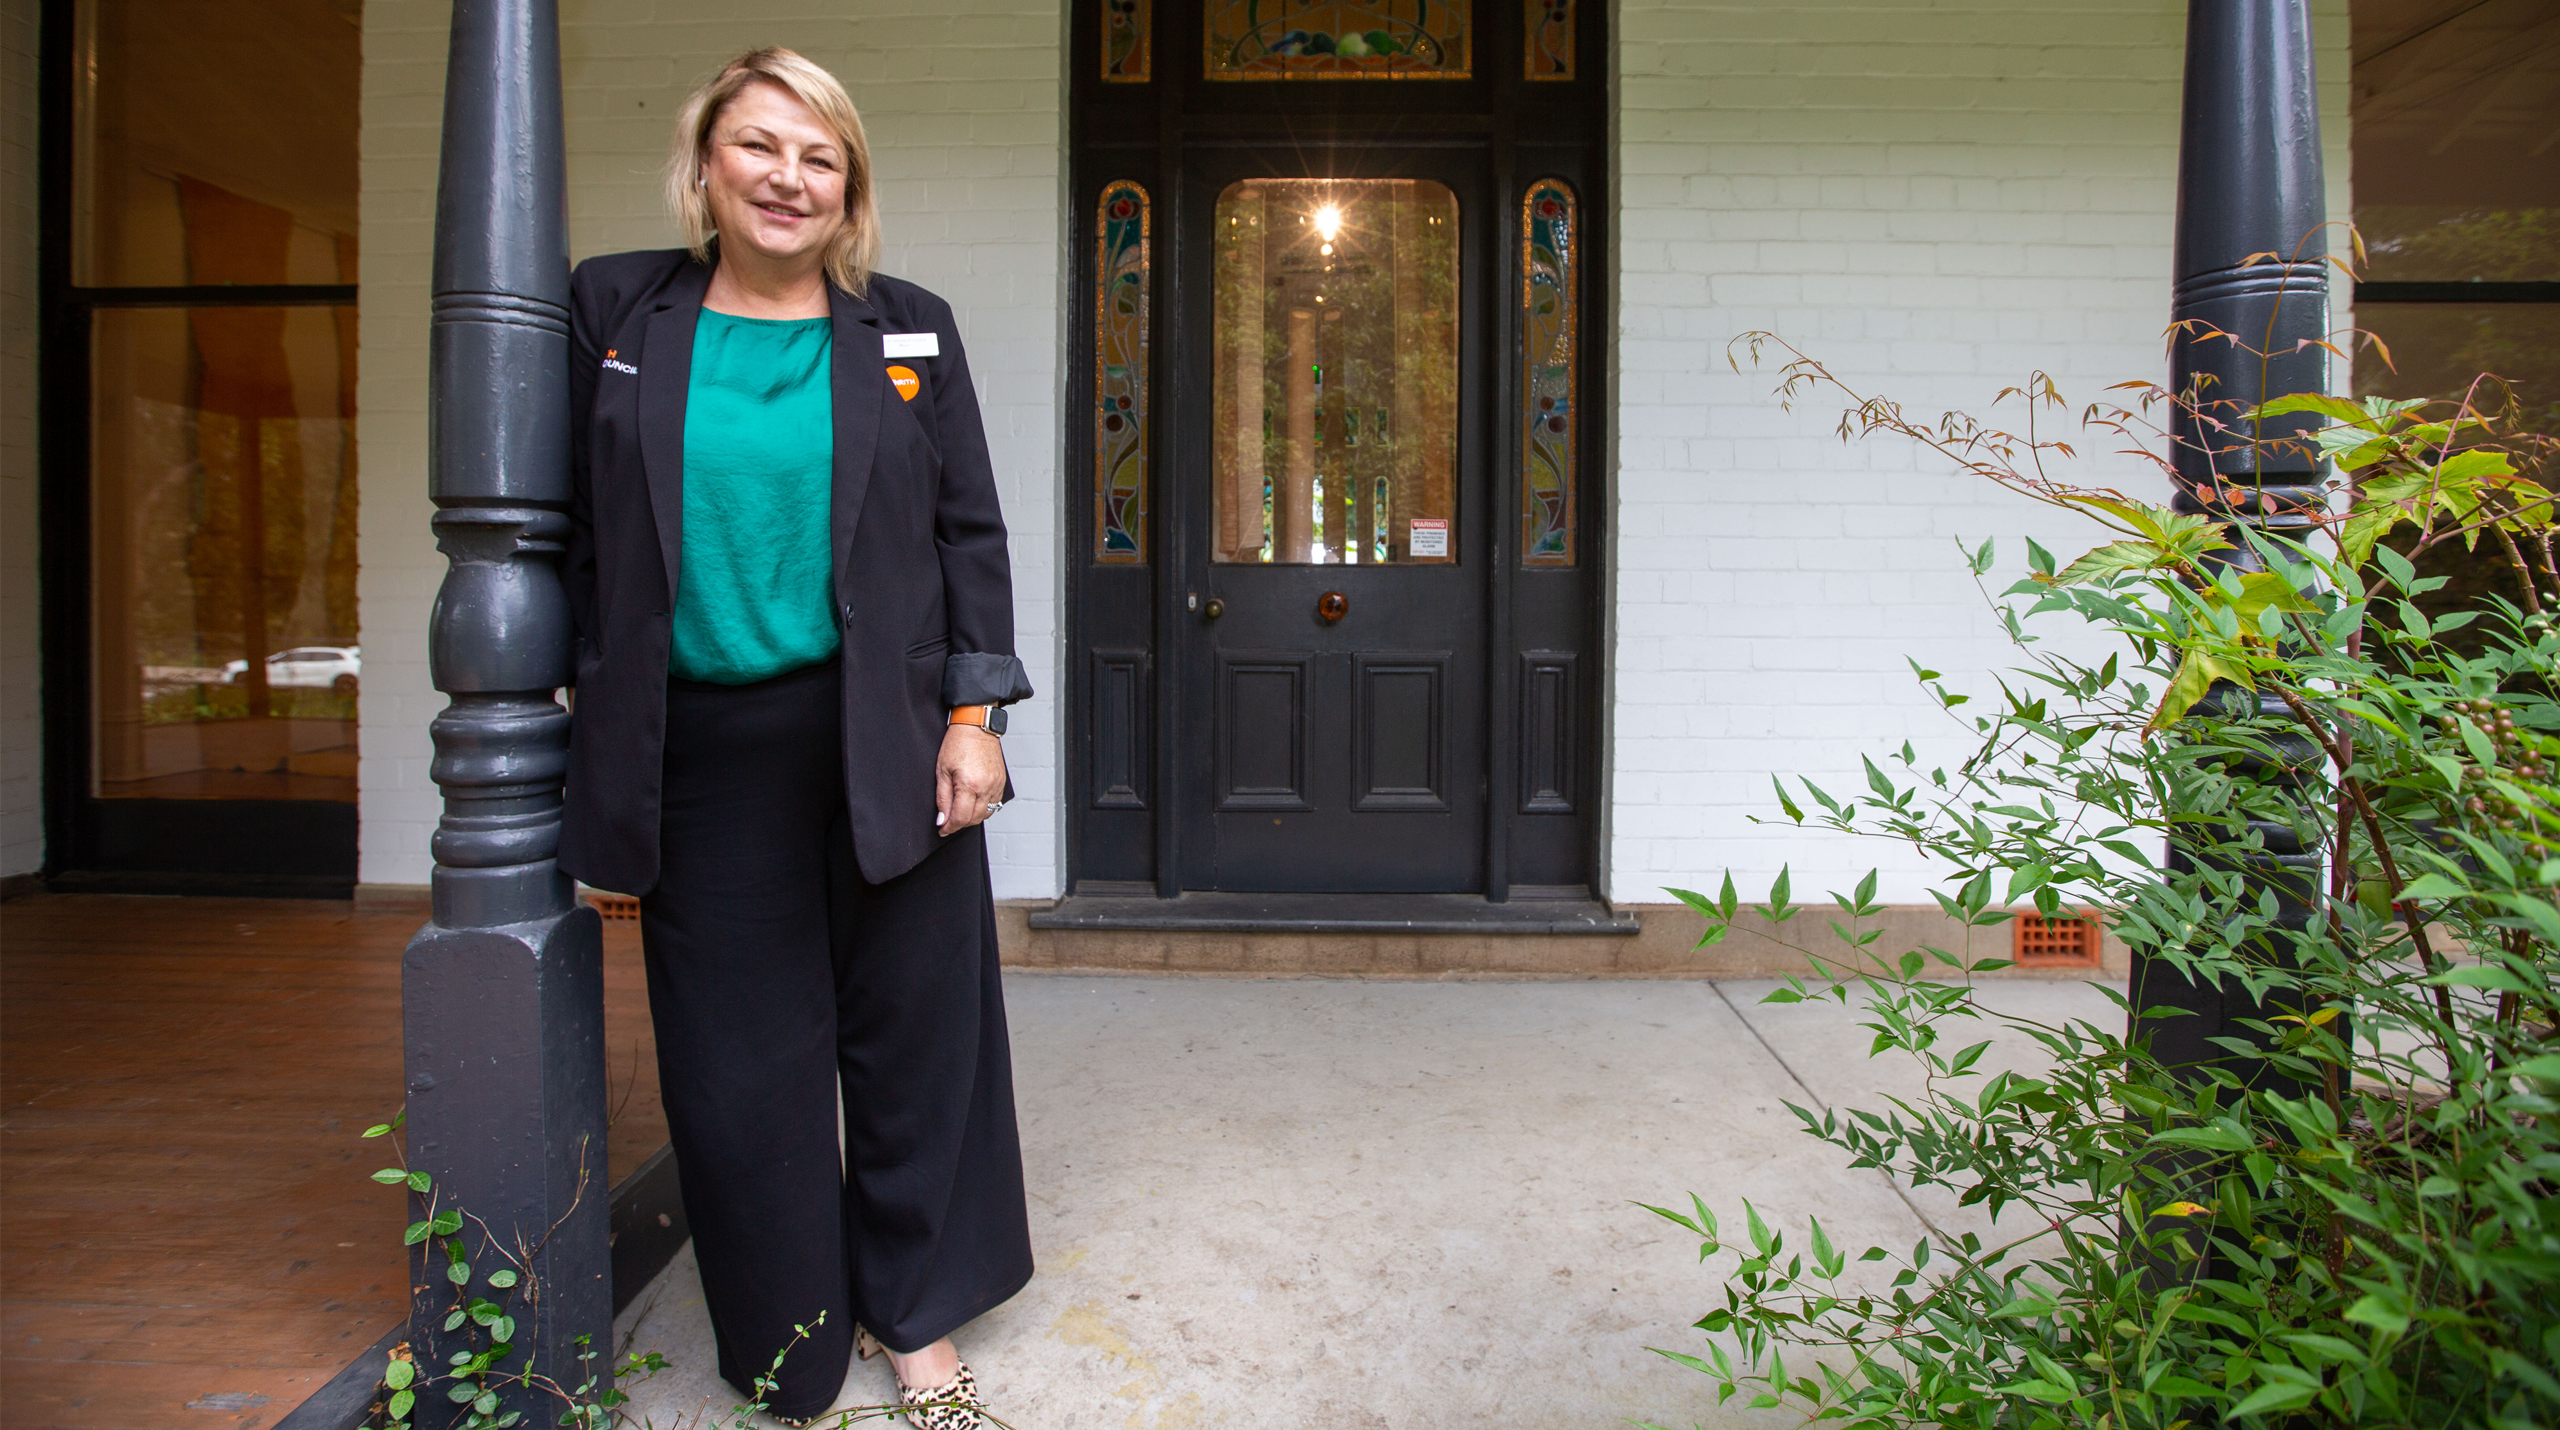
(214, 152)
(1336, 372)
(2457, 186)
(223, 520)
(258, 102)
(2457, 182)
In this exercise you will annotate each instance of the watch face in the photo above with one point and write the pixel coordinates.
(995, 720)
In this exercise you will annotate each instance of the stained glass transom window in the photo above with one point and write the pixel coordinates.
(1551, 365)
(1122, 280)
(1128, 41)
(1340, 39)
(1550, 39)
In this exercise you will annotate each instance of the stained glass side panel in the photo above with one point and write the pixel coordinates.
(1551, 367)
(1128, 41)
(1339, 39)
(1550, 39)
(1121, 300)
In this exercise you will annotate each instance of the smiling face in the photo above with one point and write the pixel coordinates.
(774, 176)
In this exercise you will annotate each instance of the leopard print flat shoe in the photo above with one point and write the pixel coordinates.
(945, 1407)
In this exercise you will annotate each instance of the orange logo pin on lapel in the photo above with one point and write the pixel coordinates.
(903, 379)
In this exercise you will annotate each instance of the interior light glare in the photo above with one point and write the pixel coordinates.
(1329, 221)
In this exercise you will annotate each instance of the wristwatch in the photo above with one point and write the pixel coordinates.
(989, 718)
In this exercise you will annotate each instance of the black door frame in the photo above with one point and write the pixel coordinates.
(289, 847)
(1122, 620)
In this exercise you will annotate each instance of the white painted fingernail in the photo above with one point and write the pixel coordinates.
(940, 819)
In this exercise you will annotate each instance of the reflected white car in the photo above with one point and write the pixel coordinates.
(306, 667)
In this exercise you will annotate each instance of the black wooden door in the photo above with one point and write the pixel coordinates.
(1329, 473)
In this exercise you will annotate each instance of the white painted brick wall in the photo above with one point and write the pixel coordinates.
(1933, 198)
(21, 679)
(961, 99)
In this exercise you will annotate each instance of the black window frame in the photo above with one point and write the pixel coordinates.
(294, 848)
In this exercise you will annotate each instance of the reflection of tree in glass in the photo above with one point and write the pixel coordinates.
(2408, 243)
(1386, 346)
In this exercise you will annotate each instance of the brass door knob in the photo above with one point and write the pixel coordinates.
(1214, 609)
(1332, 606)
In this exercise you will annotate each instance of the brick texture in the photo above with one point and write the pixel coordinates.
(961, 102)
(1934, 199)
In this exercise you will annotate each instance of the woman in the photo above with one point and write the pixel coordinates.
(795, 618)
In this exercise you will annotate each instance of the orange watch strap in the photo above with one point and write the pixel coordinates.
(969, 715)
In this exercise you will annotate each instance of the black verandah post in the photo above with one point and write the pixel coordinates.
(2249, 186)
(502, 992)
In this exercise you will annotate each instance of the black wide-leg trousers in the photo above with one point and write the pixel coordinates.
(777, 976)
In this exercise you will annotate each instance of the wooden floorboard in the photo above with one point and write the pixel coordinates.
(187, 1233)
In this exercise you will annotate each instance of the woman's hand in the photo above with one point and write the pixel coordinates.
(968, 779)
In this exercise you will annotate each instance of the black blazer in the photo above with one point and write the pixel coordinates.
(923, 585)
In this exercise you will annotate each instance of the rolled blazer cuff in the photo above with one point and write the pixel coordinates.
(983, 678)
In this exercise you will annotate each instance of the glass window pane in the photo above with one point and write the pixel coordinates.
(1337, 372)
(216, 142)
(1550, 39)
(223, 542)
(1339, 39)
(1123, 294)
(2438, 348)
(1551, 371)
(2455, 174)
(1128, 41)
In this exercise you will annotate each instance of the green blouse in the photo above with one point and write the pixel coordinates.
(754, 598)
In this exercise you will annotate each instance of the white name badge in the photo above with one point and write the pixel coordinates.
(910, 345)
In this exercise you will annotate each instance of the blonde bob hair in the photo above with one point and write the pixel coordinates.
(855, 250)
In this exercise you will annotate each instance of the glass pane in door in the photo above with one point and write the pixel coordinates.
(1336, 372)
(223, 521)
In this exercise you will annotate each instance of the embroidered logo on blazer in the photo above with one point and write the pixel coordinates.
(619, 366)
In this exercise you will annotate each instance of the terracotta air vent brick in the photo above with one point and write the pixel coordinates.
(2069, 940)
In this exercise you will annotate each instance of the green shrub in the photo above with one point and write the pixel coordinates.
(2345, 1216)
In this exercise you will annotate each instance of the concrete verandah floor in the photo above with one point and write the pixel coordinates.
(1394, 1204)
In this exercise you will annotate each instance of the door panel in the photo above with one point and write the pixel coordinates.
(1262, 730)
(1400, 726)
(1119, 724)
(1547, 702)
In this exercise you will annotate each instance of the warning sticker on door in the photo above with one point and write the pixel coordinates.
(1429, 536)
